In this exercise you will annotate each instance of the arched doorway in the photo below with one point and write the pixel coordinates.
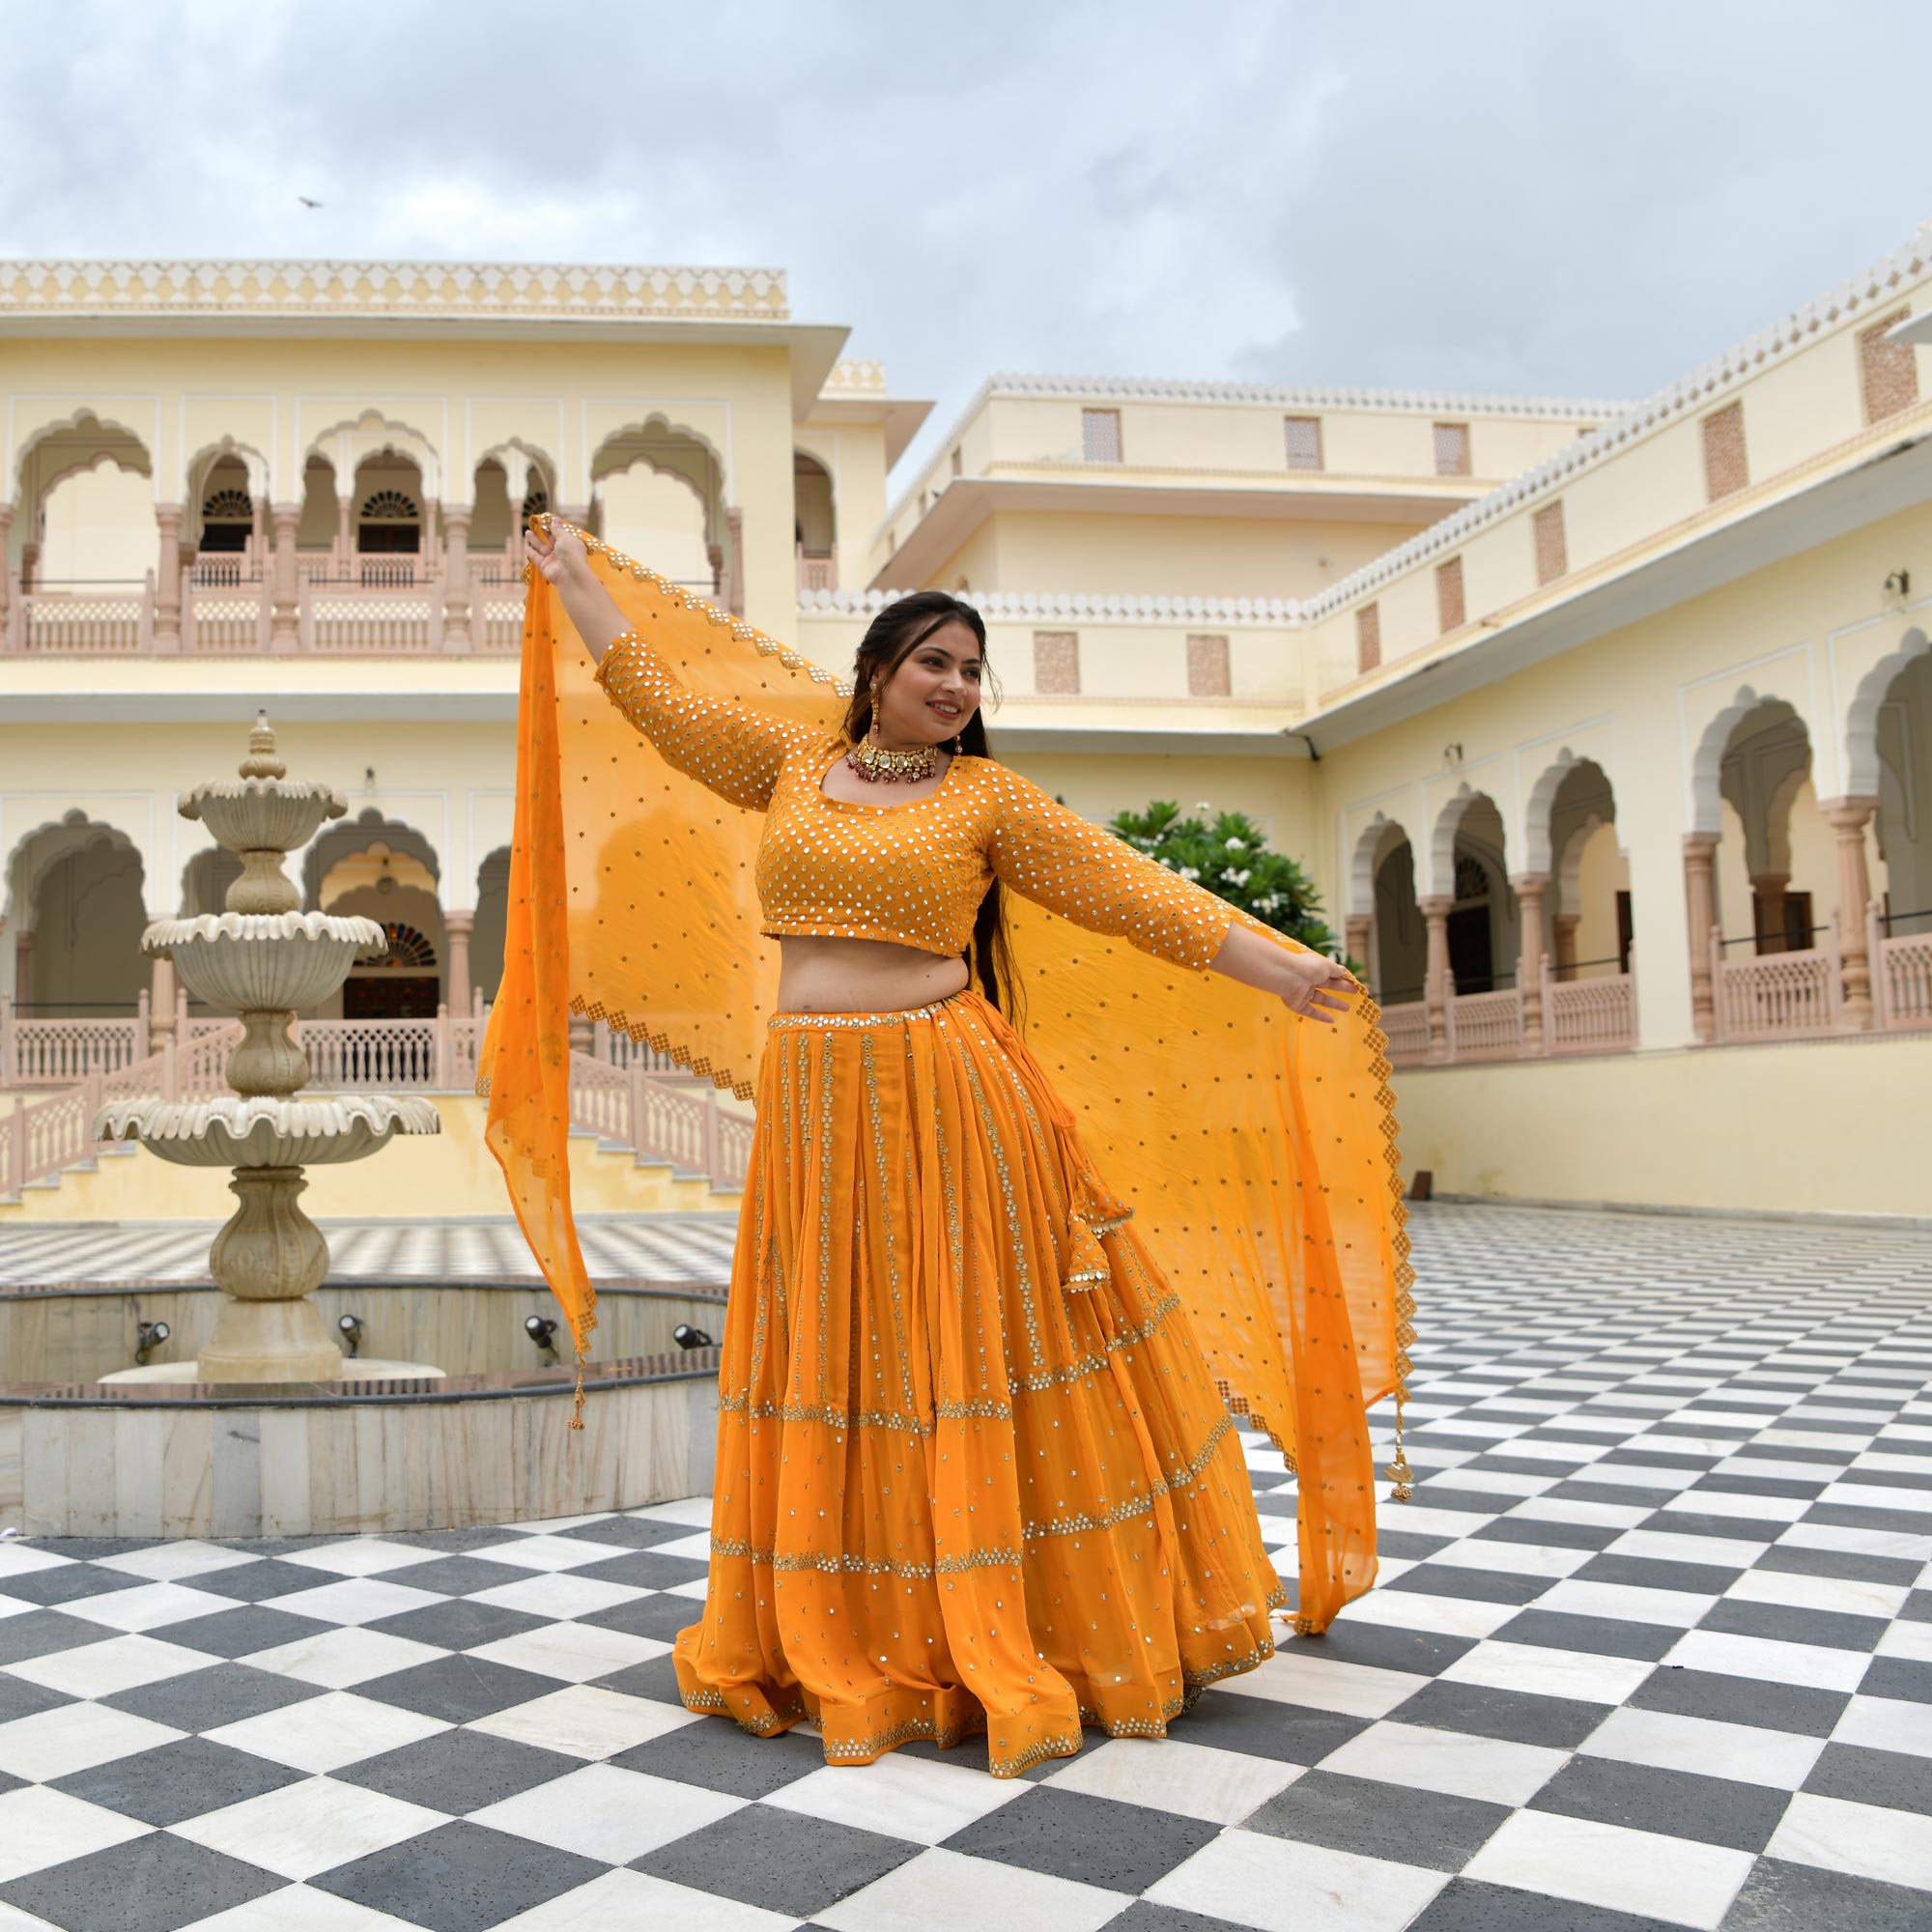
(78, 910)
(493, 911)
(814, 524)
(659, 495)
(378, 868)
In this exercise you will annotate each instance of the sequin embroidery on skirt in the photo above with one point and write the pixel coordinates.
(973, 1473)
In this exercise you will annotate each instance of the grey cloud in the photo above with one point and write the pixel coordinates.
(1508, 197)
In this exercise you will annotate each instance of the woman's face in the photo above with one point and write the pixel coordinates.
(935, 689)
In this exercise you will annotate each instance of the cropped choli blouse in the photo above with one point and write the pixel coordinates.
(913, 874)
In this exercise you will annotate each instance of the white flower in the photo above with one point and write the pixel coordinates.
(1190, 872)
(1202, 804)
(1237, 846)
(1240, 878)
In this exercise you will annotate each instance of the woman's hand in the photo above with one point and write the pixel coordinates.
(1317, 988)
(557, 561)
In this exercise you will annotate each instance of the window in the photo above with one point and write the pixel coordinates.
(402, 946)
(1552, 549)
(388, 523)
(1450, 612)
(1452, 449)
(1304, 441)
(1368, 638)
(227, 521)
(1888, 371)
(1101, 435)
(1726, 469)
(1207, 666)
(1055, 662)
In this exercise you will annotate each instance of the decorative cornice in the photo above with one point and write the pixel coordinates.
(855, 379)
(508, 290)
(1693, 394)
(1266, 395)
(1073, 608)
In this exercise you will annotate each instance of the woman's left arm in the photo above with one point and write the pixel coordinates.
(1054, 856)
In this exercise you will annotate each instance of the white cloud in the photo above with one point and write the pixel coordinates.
(1504, 195)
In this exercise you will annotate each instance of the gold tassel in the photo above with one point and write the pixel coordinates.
(577, 1404)
(1401, 1476)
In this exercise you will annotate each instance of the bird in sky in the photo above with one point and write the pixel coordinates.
(306, 202)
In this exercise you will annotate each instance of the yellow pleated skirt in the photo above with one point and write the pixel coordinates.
(973, 1474)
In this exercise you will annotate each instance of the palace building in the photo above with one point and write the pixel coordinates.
(1605, 725)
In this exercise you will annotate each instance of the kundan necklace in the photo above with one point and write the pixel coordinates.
(877, 765)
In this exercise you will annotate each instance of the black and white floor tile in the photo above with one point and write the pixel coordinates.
(667, 1248)
(1652, 1647)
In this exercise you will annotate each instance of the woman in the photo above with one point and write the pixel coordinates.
(973, 1472)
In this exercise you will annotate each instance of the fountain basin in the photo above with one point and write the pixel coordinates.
(491, 1442)
(261, 962)
(257, 815)
(321, 1129)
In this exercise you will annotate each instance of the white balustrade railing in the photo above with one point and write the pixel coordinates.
(497, 626)
(201, 1061)
(1776, 995)
(378, 1056)
(230, 622)
(1589, 1015)
(683, 1125)
(58, 1052)
(1407, 1029)
(1486, 1026)
(620, 1049)
(1901, 975)
(86, 626)
(376, 623)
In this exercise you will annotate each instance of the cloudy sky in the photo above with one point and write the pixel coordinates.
(1526, 195)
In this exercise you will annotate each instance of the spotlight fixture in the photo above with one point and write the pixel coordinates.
(542, 1330)
(1899, 584)
(352, 1333)
(688, 1337)
(147, 1338)
(1452, 755)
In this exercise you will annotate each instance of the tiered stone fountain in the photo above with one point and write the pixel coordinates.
(265, 959)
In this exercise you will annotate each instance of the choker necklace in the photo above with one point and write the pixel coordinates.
(876, 765)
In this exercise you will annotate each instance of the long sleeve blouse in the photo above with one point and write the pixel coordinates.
(913, 874)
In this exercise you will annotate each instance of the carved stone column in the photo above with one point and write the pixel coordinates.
(1701, 899)
(455, 583)
(284, 628)
(162, 1013)
(345, 535)
(23, 970)
(1530, 887)
(30, 563)
(734, 561)
(1848, 818)
(1563, 930)
(1769, 893)
(1435, 976)
(167, 578)
(457, 927)
(582, 1034)
(1358, 935)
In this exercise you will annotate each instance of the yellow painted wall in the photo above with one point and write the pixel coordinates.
(1805, 1127)
(1166, 556)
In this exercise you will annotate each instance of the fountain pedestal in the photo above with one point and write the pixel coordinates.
(265, 959)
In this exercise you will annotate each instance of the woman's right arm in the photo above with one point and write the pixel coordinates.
(727, 747)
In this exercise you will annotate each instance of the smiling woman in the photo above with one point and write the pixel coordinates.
(976, 1470)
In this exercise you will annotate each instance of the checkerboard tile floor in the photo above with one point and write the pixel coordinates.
(1653, 1646)
(662, 1248)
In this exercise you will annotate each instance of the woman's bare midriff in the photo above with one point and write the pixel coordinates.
(863, 975)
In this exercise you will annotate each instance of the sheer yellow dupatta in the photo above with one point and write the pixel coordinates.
(631, 896)
(1257, 1151)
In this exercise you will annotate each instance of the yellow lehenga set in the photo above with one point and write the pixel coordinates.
(995, 1302)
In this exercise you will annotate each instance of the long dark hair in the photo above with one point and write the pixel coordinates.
(891, 636)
